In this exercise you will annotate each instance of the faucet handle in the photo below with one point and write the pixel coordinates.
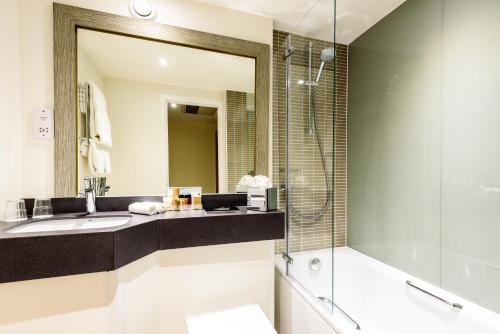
(89, 184)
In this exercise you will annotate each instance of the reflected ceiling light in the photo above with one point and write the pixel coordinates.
(143, 9)
(173, 105)
(163, 62)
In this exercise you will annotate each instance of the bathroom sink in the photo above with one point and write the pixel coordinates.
(69, 224)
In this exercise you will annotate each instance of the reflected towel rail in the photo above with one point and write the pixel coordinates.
(84, 108)
(329, 301)
(454, 305)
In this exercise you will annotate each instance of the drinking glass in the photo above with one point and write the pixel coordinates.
(42, 208)
(15, 211)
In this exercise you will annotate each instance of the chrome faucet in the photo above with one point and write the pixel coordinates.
(89, 190)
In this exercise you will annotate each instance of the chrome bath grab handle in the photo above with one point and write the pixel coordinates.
(329, 301)
(454, 305)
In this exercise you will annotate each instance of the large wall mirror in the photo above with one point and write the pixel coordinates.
(143, 106)
(173, 115)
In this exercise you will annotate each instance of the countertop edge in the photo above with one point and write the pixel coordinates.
(35, 256)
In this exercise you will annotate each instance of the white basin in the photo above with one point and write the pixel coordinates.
(82, 223)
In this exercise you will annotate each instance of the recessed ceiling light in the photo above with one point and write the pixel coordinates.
(173, 105)
(300, 82)
(143, 9)
(163, 62)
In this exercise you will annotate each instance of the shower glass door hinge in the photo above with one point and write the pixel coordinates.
(288, 259)
(289, 52)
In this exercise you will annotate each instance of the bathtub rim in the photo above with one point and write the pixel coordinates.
(473, 310)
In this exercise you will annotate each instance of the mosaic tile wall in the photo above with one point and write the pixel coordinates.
(309, 189)
(240, 122)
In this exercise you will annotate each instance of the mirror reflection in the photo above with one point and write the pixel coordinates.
(153, 115)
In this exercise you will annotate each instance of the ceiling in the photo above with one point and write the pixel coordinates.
(314, 18)
(127, 58)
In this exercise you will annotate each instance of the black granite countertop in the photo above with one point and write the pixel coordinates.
(25, 256)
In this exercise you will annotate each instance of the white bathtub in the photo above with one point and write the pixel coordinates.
(377, 297)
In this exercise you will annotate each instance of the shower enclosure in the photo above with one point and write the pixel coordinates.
(303, 151)
(309, 137)
(310, 76)
(387, 152)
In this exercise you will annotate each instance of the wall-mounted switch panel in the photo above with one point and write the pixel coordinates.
(43, 123)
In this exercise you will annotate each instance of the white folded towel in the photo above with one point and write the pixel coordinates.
(100, 127)
(262, 181)
(99, 160)
(160, 207)
(253, 181)
(84, 148)
(146, 208)
(245, 182)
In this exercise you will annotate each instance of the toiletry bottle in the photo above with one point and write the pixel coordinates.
(167, 199)
(184, 201)
(175, 198)
(196, 200)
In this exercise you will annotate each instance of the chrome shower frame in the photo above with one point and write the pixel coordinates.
(286, 187)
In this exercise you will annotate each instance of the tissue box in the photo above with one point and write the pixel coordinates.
(217, 201)
(262, 199)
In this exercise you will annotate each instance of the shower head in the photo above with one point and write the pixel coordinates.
(327, 54)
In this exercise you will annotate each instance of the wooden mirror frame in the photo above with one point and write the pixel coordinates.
(67, 19)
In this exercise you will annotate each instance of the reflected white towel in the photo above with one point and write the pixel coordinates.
(146, 208)
(262, 181)
(245, 182)
(99, 160)
(100, 127)
(84, 148)
(253, 181)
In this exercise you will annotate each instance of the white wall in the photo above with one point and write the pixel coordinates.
(87, 71)
(36, 66)
(150, 296)
(137, 116)
(10, 134)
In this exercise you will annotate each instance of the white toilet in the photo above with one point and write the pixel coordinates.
(248, 319)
